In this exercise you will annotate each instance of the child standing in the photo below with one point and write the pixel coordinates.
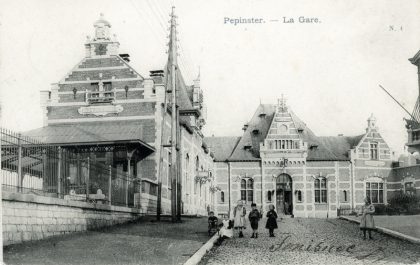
(212, 220)
(254, 217)
(271, 220)
(239, 217)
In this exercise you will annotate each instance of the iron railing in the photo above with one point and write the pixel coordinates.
(31, 166)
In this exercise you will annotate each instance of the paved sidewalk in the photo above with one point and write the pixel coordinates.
(405, 224)
(314, 241)
(138, 243)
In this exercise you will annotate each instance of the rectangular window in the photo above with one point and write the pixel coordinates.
(321, 190)
(243, 195)
(250, 195)
(375, 192)
(374, 151)
(324, 196)
(409, 188)
(95, 86)
(247, 190)
(107, 86)
(416, 136)
(317, 196)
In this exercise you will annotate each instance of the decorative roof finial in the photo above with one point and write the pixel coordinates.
(281, 103)
(371, 122)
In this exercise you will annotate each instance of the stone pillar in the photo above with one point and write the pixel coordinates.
(44, 99)
(149, 85)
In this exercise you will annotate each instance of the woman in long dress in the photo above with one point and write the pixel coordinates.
(239, 217)
(367, 223)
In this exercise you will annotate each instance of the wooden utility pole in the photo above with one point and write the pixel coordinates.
(161, 156)
(179, 173)
(174, 111)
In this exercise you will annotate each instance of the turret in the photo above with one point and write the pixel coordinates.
(102, 44)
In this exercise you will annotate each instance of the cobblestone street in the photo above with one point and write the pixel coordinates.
(313, 241)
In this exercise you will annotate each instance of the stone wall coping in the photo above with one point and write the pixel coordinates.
(33, 198)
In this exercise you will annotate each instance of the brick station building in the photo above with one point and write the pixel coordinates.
(279, 160)
(106, 111)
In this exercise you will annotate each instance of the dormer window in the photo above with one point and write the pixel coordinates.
(262, 115)
(247, 147)
(313, 146)
(300, 130)
(255, 131)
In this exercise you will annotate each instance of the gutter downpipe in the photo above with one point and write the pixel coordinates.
(229, 189)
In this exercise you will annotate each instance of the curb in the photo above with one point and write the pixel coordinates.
(387, 231)
(196, 258)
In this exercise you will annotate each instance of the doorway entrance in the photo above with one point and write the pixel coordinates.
(284, 198)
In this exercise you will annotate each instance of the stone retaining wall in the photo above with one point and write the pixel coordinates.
(28, 217)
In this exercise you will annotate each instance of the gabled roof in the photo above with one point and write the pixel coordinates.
(325, 148)
(222, 147)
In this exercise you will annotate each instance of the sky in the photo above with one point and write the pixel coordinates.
(329, 71)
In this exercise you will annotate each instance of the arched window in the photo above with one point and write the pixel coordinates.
(222, 196)
(321, 190)
(345, 197)
(298, 194)
(269, 195)
(247, 190)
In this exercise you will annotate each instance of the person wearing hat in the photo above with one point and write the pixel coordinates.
(239, 217)
(254, 217)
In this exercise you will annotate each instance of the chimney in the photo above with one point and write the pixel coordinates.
(245, 127)
(157, 76)
(125, 57)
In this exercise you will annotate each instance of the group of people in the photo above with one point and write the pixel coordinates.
(238, 223)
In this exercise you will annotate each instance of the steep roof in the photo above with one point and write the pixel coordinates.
(222, 147)
(326, 148)
(248, 148)
(184, 101)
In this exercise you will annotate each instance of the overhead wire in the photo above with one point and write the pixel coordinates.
(154, 12)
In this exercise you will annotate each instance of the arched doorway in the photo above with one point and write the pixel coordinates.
(284, 198)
